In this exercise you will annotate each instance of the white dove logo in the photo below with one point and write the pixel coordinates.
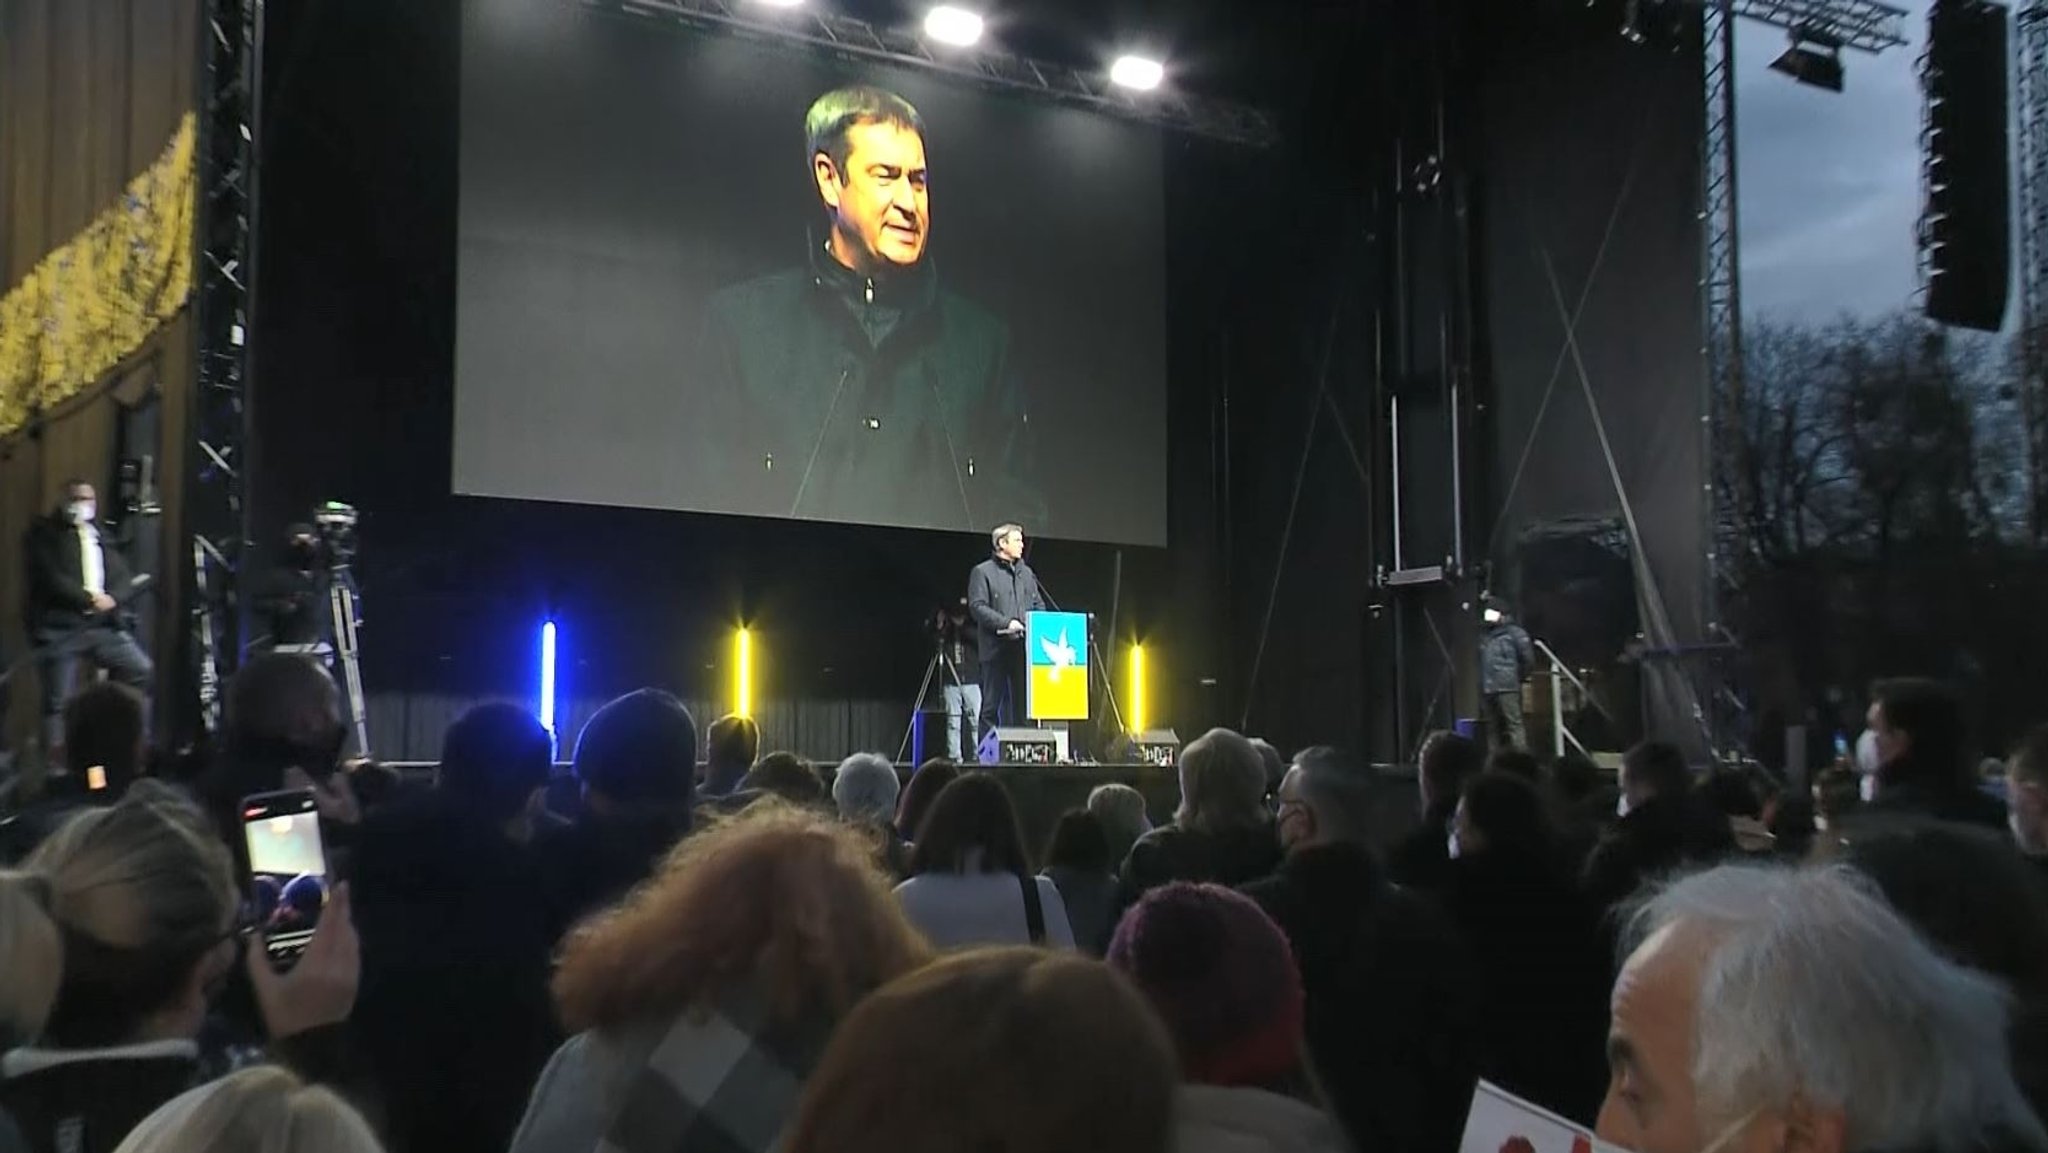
(1061, 653)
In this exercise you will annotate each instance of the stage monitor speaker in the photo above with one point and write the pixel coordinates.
(1965, 228)
(1020, 747)
(1159, 747)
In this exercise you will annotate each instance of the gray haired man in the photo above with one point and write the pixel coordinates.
(1778, 1010)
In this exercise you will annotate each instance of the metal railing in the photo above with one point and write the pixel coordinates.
(1559, 673)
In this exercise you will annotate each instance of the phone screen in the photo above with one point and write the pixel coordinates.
(1841, 746)
(287, 870)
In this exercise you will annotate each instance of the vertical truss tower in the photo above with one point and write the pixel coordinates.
(2031, 47)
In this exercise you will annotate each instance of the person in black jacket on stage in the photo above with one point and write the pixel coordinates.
(74, 614)
(1000, 591)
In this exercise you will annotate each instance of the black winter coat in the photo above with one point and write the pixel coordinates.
(454, 1012)
(1391, 1015)
(1544, 974)
(1173, 853)
(1661, 837)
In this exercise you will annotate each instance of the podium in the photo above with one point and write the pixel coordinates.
(1056, 661)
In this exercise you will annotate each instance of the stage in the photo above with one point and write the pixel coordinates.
(486, 298)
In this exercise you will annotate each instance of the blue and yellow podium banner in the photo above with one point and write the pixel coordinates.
(1057, 647)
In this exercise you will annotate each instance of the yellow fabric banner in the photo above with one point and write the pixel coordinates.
(98, 297)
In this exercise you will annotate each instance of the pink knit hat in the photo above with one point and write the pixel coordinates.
(1222, 977)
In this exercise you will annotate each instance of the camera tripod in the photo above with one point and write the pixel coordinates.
(344, 608)
(940, 669)
(344, 655)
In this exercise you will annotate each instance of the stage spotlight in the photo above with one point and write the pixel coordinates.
(1632, 22)
(781, 3)
(1814, 59)
(1138, 73)
(1136, 714)
(546, 709)
(743, 672)
(949, 25)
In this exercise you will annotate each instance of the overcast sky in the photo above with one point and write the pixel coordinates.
(1830, 183)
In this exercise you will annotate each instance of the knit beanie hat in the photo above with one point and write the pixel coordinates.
(1222, 977)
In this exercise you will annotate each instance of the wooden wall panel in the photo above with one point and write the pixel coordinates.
(26, 102)
(90, 92)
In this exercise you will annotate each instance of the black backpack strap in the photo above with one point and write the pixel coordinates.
(1034, 912)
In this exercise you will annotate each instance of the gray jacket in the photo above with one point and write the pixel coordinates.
(1505, 658)
(1211, 1119)
(717, 1079)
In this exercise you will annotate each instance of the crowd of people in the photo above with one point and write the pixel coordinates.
(705, 947)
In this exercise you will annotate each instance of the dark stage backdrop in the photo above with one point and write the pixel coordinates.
(354, 401)
(639, 323)
(1591, 246)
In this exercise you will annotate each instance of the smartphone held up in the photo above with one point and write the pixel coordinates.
(288, 880)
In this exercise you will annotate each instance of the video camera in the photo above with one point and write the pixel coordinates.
(335, 524)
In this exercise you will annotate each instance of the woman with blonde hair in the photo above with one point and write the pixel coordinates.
(701, 1003)
(112, 935)
(264, 1109)
(1018, 1049)
(1221, 832)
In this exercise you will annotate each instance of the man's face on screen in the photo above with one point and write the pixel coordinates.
(880, 205)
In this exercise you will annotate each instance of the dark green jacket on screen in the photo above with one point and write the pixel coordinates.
(877, 401)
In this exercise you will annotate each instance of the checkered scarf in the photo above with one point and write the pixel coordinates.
(723, 1079)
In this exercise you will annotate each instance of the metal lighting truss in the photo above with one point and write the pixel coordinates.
(214, 509)
(1864, 25)
(2032, 50)
(846, 36)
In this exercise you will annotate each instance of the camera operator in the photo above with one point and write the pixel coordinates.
(959, 676)
(292, 597)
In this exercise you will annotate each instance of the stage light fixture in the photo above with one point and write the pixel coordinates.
(1632, 22)
(1814, 59)
(950, 25)
(743, 672)
(546, 705)
(1137, 73)
(1135, 707)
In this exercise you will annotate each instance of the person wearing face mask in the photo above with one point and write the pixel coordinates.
(76, 582)
(2026, 797)
(1663, 824)
(1765, 1009)
(1506, 658)
(1924, 766)
(1542, 962)
(1863, 761)
(1392, 1022)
